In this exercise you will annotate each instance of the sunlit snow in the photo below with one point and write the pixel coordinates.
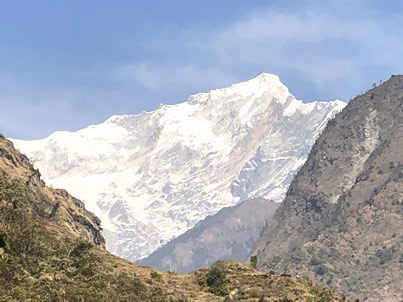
(152, 176)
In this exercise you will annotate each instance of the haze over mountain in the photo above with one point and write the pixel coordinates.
(342, 219)
(150, 177)
(228, 235)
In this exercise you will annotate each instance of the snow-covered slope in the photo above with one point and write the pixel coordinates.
(152, 176)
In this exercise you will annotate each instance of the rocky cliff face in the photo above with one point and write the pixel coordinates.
(55, 205)
(151, 177)
(230, 234)
(342, 217)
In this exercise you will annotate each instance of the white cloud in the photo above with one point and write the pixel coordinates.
(320, 51)
(320, 46)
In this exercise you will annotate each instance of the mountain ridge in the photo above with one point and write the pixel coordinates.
(340, 221)
(150, 177)
(57, 205)
(228, 235)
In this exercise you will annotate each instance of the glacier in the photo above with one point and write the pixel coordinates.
(151, 177)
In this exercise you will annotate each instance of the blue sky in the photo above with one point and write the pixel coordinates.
(67, 64)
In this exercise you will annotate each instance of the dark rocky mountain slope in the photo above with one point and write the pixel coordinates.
(341, 221)
(51, 250)
(230, 234)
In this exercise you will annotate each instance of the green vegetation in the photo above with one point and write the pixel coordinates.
(38, 267)
(253, 261)
(216, 280)
(320, 294)
(155, 275)
(244, 283)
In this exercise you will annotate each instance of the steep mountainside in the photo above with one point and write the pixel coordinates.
(56, 205)
(51, 250)
(342, 219)
(151, 177)
(229, 234)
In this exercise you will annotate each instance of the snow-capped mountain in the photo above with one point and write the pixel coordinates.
(152, 176)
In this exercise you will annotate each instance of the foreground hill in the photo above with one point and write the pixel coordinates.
(150, 177)
(342, 219)
(51, 250)
(229, 234)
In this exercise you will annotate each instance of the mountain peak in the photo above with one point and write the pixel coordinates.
(267, 77)
(153, 176)
(264, 83)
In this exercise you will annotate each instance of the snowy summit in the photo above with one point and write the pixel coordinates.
(152, 176)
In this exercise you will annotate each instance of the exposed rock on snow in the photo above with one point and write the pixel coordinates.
(152, 176)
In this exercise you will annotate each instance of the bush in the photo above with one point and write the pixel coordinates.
(253, 261)
(216, 280)
(155, 275)
(320, 294)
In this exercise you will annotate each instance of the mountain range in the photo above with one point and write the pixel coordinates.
(339, 224)
(51, 249)
(151, 177)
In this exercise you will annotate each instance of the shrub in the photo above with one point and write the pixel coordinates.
(216, 280)
(155, 275)
(253, 261)
(320, 294)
